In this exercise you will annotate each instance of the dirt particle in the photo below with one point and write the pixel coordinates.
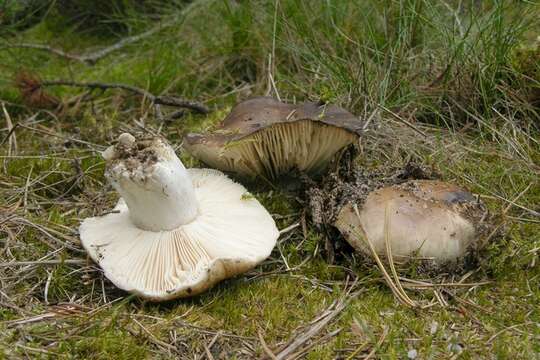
(352, 185)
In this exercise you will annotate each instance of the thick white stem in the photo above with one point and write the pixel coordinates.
(153, 182)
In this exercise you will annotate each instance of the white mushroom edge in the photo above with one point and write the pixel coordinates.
(175, 232)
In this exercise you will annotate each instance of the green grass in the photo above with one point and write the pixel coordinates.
(467, 77)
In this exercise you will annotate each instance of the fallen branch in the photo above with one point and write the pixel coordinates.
(57, 52)
(93, 57)
(156, 100)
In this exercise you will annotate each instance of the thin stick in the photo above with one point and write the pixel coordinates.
(319, 341)
(33, 319)
(12, 140)
(511, 203)
(403, 120)
(265, 347)
(57, 52)
(154, 339)
(272, 56)
(379, 343)
(532, 212)
(208, 353)
(288, 228)
(490, 340)
(318, 324)
(62, 137)
(209, 346)
(47, 232)
(46, 291)
(424, 284)
(94, 57)
(156, 100)
(357, 350)
(43, 262)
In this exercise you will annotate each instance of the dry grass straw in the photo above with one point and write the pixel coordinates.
(396, 287)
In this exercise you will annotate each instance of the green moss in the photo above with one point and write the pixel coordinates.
(412, 57)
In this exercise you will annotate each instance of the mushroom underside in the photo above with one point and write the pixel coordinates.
(230, 235)
(304, 145)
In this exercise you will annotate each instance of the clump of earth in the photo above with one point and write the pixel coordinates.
(352, 184)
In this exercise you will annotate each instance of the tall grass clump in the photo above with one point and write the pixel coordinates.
(444, 63)
(447, 62)
(439, 62)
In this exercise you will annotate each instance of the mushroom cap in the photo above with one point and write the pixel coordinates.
(231, 234)
(427, 219)
(263, 136)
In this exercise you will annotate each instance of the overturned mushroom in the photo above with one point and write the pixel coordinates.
(265, 137)
(423, 219)
(175, 232)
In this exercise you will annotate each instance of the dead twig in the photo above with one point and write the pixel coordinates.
(209, 346)
(57, 311)
(208, 353)
(288, 228)
(48, 232)
(91, 58)
(12, 139)
(490, 340)
(153, 339)
(418, 284)
(400, 119)
(43, 262)
(156, 100)
(378, 345)
(298, 340)
(94, 147)
(58, 52)
(319, 341)
(265, 348)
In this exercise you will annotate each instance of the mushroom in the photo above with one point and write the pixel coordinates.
(266, 137)
(175, 232)
(427, 219)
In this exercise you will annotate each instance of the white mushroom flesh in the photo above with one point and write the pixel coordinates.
(156, 188)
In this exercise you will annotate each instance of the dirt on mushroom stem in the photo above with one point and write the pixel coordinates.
(140, 154)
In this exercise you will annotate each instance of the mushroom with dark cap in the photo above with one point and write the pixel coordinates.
(175, 232)
(266, 137)
(427, 219)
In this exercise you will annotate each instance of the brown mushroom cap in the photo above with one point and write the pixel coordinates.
(263, 136)
(422, 218)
